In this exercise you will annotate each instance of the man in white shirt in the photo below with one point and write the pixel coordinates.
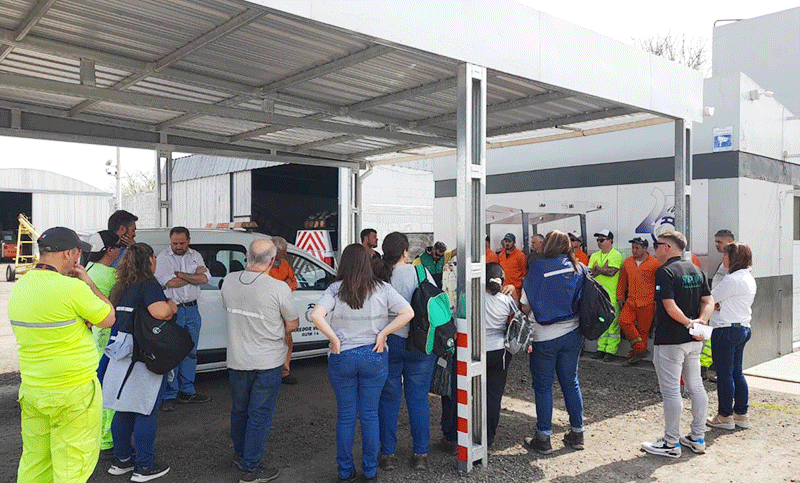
(261, 315)
(180, 271)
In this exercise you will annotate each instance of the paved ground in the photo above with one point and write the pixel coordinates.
(622, 406)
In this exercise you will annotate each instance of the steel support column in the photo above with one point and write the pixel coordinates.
(683, 180)
(164, 183)
(349, 207)
(470, 195)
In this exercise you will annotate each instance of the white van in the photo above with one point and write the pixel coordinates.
(224, 251)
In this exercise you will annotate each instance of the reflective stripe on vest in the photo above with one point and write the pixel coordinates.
(43, 325)
(122, 308)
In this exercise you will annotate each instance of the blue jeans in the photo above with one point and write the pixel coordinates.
(357, 376)
(253, 395)
(414, 370)
(727, 347)
(560, 357)
(143, 429)
(188, 317)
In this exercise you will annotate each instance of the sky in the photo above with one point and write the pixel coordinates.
(620, 20)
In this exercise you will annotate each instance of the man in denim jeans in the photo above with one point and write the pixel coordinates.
(261, 313)
(683, 299)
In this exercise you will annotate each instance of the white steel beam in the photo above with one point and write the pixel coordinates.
(159, 102)
(34, 15)
(245, 18)
(327, 68)
(471, 269)
(565, 120)
(683, 180)
(149, 128)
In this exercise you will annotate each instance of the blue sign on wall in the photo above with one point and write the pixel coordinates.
(723, 138)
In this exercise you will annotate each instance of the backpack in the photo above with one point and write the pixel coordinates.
(433, 329)
(160, 344)
(596, 310)
(519, 333)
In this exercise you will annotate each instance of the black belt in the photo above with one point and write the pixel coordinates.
(735, 326)
(188, 304)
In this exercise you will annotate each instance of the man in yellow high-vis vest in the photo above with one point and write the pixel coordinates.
(51, 309)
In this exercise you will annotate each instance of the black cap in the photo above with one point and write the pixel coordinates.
(639, 241)
(510, 237)
(59, 239)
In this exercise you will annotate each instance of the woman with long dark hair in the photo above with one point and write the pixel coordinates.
(552, 294)
(731, 322)
(358, 304)
(135, 397)
(407, 366)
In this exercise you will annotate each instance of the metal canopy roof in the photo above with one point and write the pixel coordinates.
(324, 83)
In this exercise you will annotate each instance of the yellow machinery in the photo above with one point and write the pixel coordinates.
(26, 235)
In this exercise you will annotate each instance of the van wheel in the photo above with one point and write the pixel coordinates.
(10, 273)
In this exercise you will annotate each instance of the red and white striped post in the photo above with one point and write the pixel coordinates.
(471, 337)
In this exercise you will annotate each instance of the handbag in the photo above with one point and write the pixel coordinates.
(442, 379)
(519, 334)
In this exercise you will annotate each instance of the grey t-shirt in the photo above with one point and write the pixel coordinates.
(404, 280)
(355, 328)
(257, 306)
(497, 308)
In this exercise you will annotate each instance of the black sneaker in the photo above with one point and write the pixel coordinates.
(352, 478)
(538, 444)
(193, 398)
(573, 439)
(119, 467)
(598, 355)
(146, 474)
(168, 405)
(259, 475)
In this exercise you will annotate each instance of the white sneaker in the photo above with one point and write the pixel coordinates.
(662, 448)
(697, 445)
(722, 422)
(741, 420)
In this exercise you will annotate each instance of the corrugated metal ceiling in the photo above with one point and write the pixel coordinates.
(236, 54)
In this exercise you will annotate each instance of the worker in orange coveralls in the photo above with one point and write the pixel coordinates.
(636, 295)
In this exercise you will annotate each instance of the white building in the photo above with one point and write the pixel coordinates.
(746, 167)
(50, 199)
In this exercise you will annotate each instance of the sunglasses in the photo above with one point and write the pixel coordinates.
(658, 244)
(601, 240)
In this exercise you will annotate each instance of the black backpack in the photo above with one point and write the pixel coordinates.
(596, 310)
(433, 329)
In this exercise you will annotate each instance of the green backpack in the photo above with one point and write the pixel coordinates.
(433, 329)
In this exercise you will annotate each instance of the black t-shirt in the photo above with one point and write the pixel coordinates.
(147, 292)
(683, 282)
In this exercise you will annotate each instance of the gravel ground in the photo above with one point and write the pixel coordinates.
(622, 406)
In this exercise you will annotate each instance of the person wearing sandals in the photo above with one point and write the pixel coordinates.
(734, 297)
(498, 307)
(358, 363)
(552, 294)
(407, 367)
(135, 398)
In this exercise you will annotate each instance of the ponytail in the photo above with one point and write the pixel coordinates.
(494, 278)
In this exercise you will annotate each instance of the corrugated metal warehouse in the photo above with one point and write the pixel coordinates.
(50, 199)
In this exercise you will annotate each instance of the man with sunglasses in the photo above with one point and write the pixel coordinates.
(605, 265)
(683, 299)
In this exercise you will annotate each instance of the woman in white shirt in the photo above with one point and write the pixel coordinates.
(497, 307)
(731, 322)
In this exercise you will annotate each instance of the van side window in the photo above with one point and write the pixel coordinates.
(310, 276)
(221, 259)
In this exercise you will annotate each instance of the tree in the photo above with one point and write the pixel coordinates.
(691, 52)
(135, 182)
